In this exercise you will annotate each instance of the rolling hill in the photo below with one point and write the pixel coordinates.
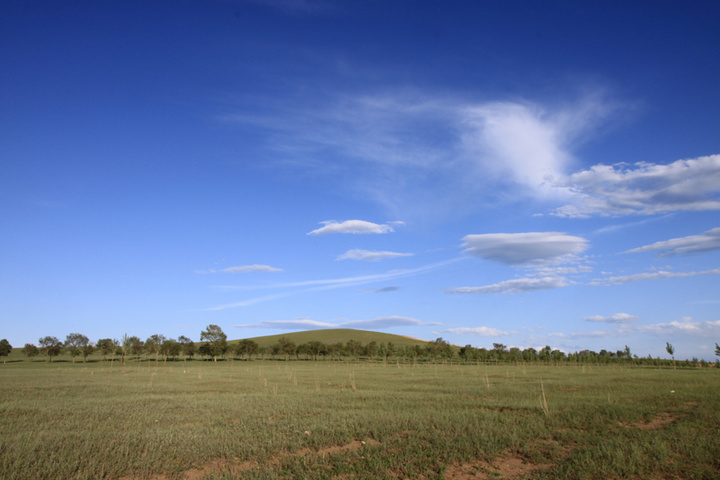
(335, 335)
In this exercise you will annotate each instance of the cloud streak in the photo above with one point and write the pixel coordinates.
(514, 286)
(662, 274)
(704, 242)
(371, 256)
(351, 226)
(296, 288)
(619, 318)
(480, 331)
(374, 323)
(252, 268)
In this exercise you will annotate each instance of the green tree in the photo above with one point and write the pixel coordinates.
(286, 347)
(671, 350)
(74, 343)
(136, 346)
(187, 346)
(106, 346)
(717, 350)
(246, 347)
(51, 346)
(5, 348)
(30, 350)
(153, 345)
(216, 341)
(87, 350)
(170, 348)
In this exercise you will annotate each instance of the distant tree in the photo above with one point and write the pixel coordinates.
(87, 350)
(371, 349)
(316, 347)
(136, 346)
(153, 345)
(286, 347)
(246, 347)
(30, 350)
(170, 348)
(216, 341)
(187, 346)
(5, 348)
(51, 346)
(353, 347)
(671, 350)
(74, 343)
(106, 346)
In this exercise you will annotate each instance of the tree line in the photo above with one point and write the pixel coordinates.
(213, 344)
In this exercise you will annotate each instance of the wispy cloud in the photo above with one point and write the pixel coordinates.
(374, 323)
(644, 188)
(514, 286)
(351, 226)
(417, 143)
(252, 268)
(704, 242)
(480, 331)
(372, 256)
(621, 318)
(296, 288)
(651, 276)
(525, 248)
(385, 290)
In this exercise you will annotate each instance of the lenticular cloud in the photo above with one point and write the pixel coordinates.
(524, 248)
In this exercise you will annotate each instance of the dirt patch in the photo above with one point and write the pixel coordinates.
(659, 421)
(236, 468)
(508, 465)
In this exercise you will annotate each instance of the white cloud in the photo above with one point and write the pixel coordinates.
(525, 248)
(375, 323)
(371, 256)
(651, 276)
(422, 154)
(644, 188)
(480, 331)
(516, 140)
(621, 318)
(252, 268)
(518, 285)
(704, 242)
(686, 326)
(351, 226)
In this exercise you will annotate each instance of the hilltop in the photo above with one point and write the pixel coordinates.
(335, 335)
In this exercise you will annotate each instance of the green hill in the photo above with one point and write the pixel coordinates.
(335, 335)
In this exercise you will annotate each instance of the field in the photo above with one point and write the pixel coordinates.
(347, 420)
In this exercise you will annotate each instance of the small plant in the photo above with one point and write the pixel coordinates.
(671, 350)
(543, 400)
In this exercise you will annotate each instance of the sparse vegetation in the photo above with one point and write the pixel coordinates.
(350, 419)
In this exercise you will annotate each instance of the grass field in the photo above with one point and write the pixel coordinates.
(337, 420)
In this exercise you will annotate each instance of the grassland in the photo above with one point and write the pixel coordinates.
(345, 420)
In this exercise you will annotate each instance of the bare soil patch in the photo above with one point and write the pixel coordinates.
(509, 465)
(657, 422)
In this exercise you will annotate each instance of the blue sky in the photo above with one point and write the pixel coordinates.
(528, 173)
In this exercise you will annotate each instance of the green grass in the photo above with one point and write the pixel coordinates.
(277, 419)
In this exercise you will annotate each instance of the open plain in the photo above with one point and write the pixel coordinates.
(351, 420)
